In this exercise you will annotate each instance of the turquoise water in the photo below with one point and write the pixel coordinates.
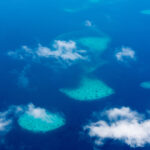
(33, 124)
(48, 47)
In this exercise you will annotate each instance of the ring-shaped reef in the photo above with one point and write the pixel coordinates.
(48, 122)
(88, 90)
(145, 85)
(93, 41)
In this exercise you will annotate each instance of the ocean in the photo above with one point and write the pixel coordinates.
(30, 22)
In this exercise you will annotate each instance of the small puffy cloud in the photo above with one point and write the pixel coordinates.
(43, 51)
(122, 113)
(37, 112)
(125, 53)
(122, 124)
(66, 51)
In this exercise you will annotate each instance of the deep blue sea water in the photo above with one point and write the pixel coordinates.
(30, 22)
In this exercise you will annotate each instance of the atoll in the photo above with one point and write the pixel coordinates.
(88, 90)
(93, 42)
(40, 120)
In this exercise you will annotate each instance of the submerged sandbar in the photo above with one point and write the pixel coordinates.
(145, 85)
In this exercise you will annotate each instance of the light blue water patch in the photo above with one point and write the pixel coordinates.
(145, 85)
(35, 124)
(88, 90)
(77, 6)
(146, 12)
(93, 41)
(94, 1)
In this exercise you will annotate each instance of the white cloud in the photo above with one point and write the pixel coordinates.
(122, 113)
(43, 51)
(65, 50)
(22, 53)
(7, 117)
(37, 112)
(5, 124)
(125, 53)
(122, 124)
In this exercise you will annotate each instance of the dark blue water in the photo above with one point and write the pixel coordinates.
(26, 22)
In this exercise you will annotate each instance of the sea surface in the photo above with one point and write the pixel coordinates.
(33, 22)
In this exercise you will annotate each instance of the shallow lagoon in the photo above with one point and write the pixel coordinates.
(89, 90)
(49, 123)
